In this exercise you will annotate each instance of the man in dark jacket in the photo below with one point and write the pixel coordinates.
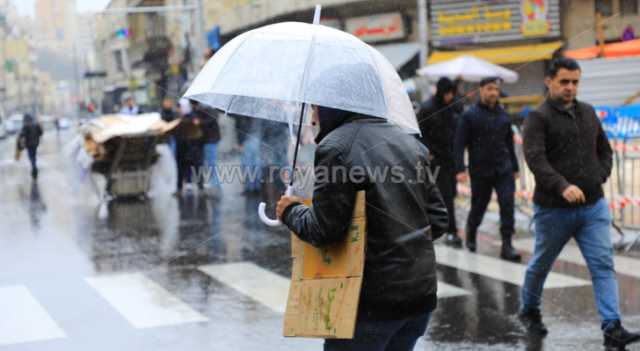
(189, 147)
(210, 140)
(570, 156)
(168, 114)
(29, 138)
(438, 119)
(485, 130)
(404, 214)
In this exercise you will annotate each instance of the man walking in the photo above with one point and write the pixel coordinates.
(29, 138)
(399, 283)
(485, 130)
(570, 156)
(437, 120)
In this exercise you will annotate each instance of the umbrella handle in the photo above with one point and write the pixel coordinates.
(263, 215)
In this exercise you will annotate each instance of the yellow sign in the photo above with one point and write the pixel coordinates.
(475, 20)
(534, 18)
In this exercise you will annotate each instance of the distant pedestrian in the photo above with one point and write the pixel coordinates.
(130, 108)
(251, 138)
(29, 138)
(485, 130)
(211, 136)
(189, 147)
(569, 154)
(168, 114)
(438, 119)
(628, 34)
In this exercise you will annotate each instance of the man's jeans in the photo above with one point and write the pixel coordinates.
(210, 158)
(399, 335)
(589, 226)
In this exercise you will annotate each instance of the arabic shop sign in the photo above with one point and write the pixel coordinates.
(376, 28)
(456, 22)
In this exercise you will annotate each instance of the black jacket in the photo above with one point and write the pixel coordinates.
(438, 123)
(564, 147)
(168, 115)
(31, 133)
(488, 136)
(210, 126)
(402, 216)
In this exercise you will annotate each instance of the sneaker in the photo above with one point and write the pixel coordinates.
(532, 321)
(452, 239)
(617, 338)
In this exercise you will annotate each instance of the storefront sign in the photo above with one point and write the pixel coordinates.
(377, 28)
(456, 22)
(534, 17)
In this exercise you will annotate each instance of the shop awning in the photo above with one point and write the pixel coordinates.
(399, 54)
(503, 55)
(623, 49)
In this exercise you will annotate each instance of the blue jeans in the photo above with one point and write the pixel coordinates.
(589, 226)
(210, 159)
(252, 164)
(397, 335)
(171, 142)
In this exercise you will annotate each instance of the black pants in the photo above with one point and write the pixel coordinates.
(33, 153)
(481, 190)
(189, 158)
(446, 182)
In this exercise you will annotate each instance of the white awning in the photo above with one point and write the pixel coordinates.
(399, 54)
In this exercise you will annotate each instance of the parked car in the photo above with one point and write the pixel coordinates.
(47, 121)
(13, 124)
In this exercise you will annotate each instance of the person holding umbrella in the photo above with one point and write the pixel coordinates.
(364, 117)
(399, 285)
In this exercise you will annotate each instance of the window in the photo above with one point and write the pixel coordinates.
(605, 7)
(629, 7)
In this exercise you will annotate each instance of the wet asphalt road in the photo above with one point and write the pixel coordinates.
(134, 280)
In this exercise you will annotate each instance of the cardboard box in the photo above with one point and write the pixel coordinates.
(326, 283)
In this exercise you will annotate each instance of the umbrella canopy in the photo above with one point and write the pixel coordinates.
(270, 72)
(469, 68)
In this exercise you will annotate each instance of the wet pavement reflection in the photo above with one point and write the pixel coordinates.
(53, 240)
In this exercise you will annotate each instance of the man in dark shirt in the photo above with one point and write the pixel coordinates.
(570, 156)
(485, 130)
(437, 119)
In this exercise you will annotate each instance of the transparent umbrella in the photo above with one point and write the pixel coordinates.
(274, 71)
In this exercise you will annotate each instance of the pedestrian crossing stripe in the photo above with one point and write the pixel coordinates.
(571, 253)
(271, 289)
(142, 302)
(23, 319)
(498, 269)
(145, 304)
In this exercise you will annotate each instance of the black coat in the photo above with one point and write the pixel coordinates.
(564, 147)
(438, 123)
(402, 216)
(488, 136)
(210, 126)
(31, 133)
(168, 115)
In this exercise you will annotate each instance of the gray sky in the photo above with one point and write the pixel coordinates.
(27, 7)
